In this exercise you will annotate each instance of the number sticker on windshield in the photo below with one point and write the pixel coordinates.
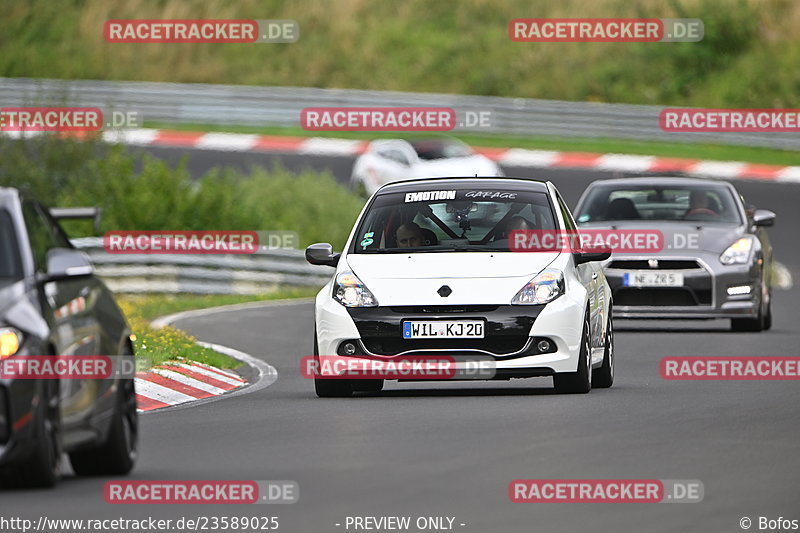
(367, 239)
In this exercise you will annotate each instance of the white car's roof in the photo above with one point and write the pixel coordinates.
(422, 184)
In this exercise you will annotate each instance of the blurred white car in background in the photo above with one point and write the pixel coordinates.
(390, 160)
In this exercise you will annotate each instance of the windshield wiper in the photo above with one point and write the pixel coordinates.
(470, 248)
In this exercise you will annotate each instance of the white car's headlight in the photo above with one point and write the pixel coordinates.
(545, 287)
(737, 253)
(350, 292)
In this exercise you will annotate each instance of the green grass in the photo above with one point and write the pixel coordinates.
(748, 57)
(771, 156)
(159, 346)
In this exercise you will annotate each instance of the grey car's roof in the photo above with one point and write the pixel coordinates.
(424, 184)
(661, 181)
(8, 195)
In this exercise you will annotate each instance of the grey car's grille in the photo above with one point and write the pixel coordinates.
(659, 264)
(662, 296)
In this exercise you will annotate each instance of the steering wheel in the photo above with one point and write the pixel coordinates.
(702, 211)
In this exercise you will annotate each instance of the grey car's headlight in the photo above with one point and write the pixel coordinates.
(545, 287)
(10, 341)
(350, 292)
(737, 253)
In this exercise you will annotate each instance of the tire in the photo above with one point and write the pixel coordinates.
(367, 385)
(603, 377)
(43, 467)
(331, 388)
(579, 382)
(763, 321)
(117, 455)
(753, 325)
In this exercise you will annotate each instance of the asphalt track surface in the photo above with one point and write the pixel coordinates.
(452, 449)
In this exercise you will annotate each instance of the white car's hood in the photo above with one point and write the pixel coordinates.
(473, 277)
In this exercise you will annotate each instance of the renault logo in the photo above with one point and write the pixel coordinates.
(444, 291)
(652, 263)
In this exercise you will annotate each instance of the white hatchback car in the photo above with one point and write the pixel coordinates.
(385, 161)
(429, 270)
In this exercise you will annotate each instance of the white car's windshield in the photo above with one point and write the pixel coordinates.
(441, 149)
(695, 203)
(450, 220)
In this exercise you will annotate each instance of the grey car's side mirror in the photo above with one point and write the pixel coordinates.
(321, 253)
(66, 263)
(763, 217)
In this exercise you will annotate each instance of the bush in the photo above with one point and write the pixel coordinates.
(144, 193)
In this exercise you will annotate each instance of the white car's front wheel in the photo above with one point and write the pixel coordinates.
(579, 382)
(603, 377)
(331, 388)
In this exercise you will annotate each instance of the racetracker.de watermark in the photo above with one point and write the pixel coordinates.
(730, 368)
(393, 119)
(201, 492)
(200, 31)
(378, 118)
(605, 30)
(619, 241)
(731, 120)
(419, 367)
(181, 242)
(606, 491)
(78, 367)
(66, 119)
(198, 242)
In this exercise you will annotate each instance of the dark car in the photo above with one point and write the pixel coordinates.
(52, 304)
(716, 260)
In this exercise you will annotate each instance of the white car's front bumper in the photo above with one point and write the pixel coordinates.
(512, 333)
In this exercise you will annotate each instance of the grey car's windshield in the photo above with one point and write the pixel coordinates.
(450, 220)
(694, 203)
(10, 266)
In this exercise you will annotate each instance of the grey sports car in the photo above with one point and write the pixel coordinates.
(51, 304)
(715, 260)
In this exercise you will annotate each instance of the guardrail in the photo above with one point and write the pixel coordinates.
(187, 103)
(258, 273)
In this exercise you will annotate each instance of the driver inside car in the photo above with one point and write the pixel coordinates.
(517, 223)
(700, 204)
(409, 235)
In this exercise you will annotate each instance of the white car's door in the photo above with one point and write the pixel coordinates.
(590, 275)
(602, 297)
